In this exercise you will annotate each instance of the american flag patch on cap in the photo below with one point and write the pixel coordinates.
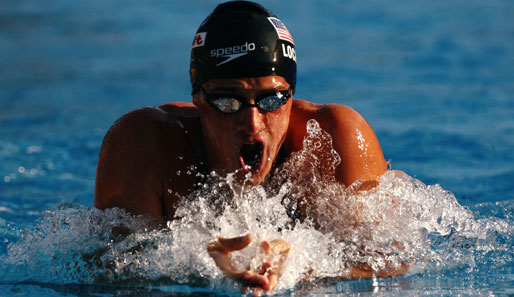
(281, 29)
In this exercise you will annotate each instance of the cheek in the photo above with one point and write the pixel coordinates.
(277, 124)
(215, 127)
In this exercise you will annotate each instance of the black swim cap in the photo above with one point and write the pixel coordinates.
(242, 39)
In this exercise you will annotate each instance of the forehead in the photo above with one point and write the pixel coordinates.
(271, 82)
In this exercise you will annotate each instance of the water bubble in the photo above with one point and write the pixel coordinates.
(21, 169)
(33, 149)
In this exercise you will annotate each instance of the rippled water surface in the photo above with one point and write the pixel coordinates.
(434, 79)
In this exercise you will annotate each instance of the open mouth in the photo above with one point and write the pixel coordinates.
(251, 156)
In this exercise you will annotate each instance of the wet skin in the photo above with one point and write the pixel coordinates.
(146, 154)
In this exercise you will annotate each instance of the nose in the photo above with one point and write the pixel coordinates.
(250, 121)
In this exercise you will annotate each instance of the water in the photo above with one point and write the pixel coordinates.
(435, 81)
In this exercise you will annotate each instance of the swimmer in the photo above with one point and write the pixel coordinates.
(242, 119)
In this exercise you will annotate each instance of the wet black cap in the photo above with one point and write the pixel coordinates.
(242, 39)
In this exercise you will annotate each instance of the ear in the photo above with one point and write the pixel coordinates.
(197, 99)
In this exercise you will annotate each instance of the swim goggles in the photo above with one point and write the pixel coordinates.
(233, 103)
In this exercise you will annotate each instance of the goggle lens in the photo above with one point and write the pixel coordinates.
(231, 103)
(226, 104)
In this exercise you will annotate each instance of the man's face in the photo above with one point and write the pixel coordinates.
(248, 139)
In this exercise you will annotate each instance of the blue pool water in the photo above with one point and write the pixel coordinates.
(435, 79)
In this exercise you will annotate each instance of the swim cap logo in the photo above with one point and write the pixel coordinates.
(289, 52)
(199, 39)
(232, 52)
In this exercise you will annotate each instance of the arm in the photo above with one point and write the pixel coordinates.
(365, 271)
(357, 145)
(125, 178)
(361, 159)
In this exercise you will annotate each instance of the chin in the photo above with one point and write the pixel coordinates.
(255, 180)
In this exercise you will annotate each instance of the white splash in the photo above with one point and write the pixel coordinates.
(400, 221)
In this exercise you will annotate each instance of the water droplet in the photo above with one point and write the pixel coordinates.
(33, 149)
(178, 172)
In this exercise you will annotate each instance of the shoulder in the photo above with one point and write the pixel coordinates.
(171, 114)
(352, 138)
(153, 122)
(303, 109)
(152, 134)
(337, 119)
(140, 151)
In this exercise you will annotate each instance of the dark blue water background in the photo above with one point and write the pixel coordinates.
(435, 79)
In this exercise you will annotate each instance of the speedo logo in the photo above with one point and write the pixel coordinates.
(233, 52)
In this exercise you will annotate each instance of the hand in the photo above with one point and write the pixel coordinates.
(265, 279)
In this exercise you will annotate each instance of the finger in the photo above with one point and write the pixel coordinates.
(253, 279)
(272, 280)
(236, 243)
(222, 260)
(266, 247)
(215, 246)
(266, 266)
